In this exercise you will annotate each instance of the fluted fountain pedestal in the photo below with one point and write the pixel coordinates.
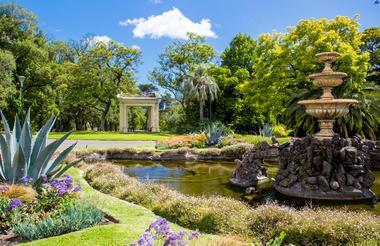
(325, 166)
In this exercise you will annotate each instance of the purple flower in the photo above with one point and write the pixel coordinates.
(26, 180)
(63, 185)
(146, 239)
(175, 239)
(160, 226)
(194, 235)
(4, 188)
(15, 203)
(76, 189)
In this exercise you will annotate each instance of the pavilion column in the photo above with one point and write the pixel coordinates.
(149, 119)
(123, 118)
(155, 118)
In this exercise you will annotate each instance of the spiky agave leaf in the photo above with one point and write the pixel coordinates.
(54, 163)
(24, 156)
(36, 167)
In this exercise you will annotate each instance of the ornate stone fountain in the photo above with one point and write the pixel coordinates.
(327, 108)
(326, 166)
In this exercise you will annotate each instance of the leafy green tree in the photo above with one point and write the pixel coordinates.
(147, 88)
(7, 88)
(111, 67)
(240, 54)
(371, 39)
(202, 86)
(176, 62)
(285, 62)
(236, 68)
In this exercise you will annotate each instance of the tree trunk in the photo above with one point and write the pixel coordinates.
(104, 116)
(201, 104)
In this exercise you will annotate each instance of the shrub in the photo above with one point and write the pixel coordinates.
(198, 144)
(76, 217)
(182, 141)
(236, 151)
(228, 216)
(281, 131)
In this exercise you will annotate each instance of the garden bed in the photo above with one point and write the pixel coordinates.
(226, 153)
(222, 215)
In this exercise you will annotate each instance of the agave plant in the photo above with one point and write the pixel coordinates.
(266, 131)
(215, 131)
(26, 157)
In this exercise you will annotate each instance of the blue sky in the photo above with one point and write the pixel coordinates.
(126, 21)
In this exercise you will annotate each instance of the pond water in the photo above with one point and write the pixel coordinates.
(212, 178)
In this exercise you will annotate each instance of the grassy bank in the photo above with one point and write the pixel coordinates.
(307, 226)
(133, 220)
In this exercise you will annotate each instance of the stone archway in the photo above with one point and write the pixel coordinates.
(151, 101)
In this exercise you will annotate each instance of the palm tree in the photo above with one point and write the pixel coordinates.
(201, 85)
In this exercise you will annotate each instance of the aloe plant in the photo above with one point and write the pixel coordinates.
(23, 155)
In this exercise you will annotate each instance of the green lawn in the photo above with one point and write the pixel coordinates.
(114, 136)
(133, 220)
(254, 139)
(148, 136)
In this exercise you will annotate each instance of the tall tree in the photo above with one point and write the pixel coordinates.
(176, 62)
(371, 39)
(236, 68)
(202, 86)
(146, 89)
(111, 67)
(240, 54)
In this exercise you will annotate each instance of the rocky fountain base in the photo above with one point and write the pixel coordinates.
(328, 169)
(250, 171)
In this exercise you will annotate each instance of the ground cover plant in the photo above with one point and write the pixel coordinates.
(228, 216)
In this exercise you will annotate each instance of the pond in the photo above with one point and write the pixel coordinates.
(212, 178)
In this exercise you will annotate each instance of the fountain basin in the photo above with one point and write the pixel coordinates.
(327, 56)
(327, 79)
(328, 109)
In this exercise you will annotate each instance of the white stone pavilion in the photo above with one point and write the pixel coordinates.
(150, 101)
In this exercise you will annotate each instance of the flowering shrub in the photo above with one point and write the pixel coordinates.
(20, 203)
(56, 196)
(159, 233)
(14, 204)
(183, 141)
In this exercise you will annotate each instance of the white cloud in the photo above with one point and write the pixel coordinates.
(172, 24)
(156, 1)
(136, 47)
(99, 39)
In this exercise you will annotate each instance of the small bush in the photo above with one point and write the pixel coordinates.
(281, 131)
(76, 217)
(182, 141)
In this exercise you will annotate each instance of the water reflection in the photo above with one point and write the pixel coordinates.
(212, 178)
